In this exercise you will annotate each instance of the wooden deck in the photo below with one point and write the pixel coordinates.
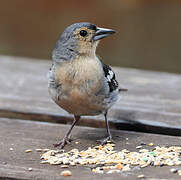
(29, 120)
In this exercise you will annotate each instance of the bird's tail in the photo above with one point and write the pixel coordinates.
(122, 89)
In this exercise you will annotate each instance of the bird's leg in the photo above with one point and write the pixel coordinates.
(109, 138)
(66, 139)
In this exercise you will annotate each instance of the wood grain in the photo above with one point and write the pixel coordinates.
(152, 103)
(18, 135)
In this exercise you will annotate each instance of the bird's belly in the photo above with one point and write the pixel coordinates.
(81, 103)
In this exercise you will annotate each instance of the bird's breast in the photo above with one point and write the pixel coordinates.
(84, 74)
(80, 82)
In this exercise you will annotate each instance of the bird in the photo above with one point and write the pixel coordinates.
(78, 81)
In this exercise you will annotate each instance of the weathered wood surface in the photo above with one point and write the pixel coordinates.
(152, 104)
(18, 135)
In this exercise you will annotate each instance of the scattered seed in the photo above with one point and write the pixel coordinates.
(150, 144)
(119, 166)
(76, 142)
(39, 150)
(169, 164)
(138, 147)
(141, 176)
(105, 159)
(113, 145)
(45, 150)
(178, 163)
(66, 173)
(125, 151)
(143, 150)
(11, 149)
(144, 165)
(126, 168)
(113, 171)
(157, 163)
(153, 153)
(30, 169)
(173, 170)
(100, 147)
(28, 150)
(64, 166)
(44, 162)
(162, 164)
(179, 172)
(145, 159)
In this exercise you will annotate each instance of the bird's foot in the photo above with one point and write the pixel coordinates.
(107, 140)
(63, 142)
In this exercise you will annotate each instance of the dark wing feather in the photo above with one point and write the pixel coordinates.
(111, 78)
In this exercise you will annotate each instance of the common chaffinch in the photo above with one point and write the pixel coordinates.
(78, 81)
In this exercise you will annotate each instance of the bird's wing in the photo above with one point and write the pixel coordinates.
(110, 77)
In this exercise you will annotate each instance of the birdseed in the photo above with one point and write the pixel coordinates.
(28, 150)
(173, 170)
(45, 150)
(66, 173)
(64, 166)
(141, 176)
(105, 159)
(39, 150)
(113, 171)
(138, 147)
(179, 172)
(30, 169)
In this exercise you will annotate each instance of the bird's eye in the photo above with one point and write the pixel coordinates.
(83, 33)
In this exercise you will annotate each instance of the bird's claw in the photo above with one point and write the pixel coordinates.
(63, 142)
(105, 141)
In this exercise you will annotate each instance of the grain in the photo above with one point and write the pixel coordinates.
(105, 159)
(28, 150)
(141, 176)
(66, 173)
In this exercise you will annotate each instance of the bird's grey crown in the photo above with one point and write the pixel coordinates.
(66, 46)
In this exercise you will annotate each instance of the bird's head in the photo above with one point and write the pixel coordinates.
(79, 39)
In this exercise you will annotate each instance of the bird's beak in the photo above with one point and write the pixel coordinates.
(102, 33)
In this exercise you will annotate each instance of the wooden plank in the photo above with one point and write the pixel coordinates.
(18, 135)
(152, 104)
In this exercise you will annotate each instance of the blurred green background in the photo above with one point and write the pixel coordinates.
(148, 32)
